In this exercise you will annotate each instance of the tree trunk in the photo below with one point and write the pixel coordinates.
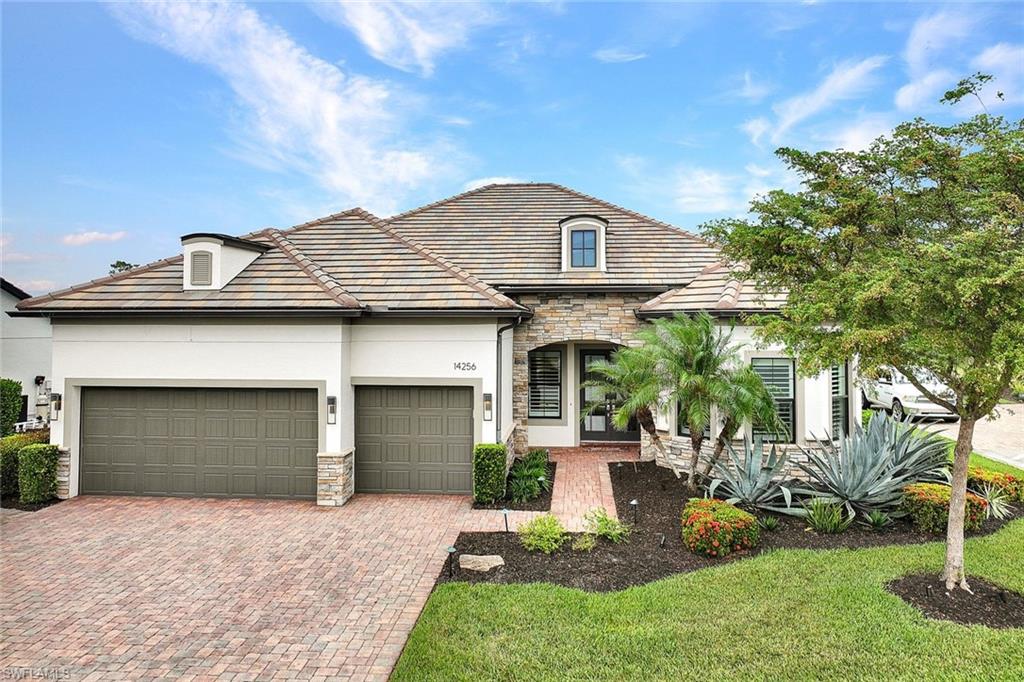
(728, 431)
(646, 419)
(696, 441)
(953, 574)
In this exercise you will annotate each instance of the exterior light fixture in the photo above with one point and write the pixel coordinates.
(488, 407)
(506, 512)
(451, 562)
(56, 402)
(661, 541)
(332, 409)
(634, 504)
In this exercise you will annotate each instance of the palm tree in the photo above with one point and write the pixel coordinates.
(748, 400)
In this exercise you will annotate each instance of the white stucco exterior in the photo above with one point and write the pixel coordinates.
(25, 344)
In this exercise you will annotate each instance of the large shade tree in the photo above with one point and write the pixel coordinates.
(910, 254)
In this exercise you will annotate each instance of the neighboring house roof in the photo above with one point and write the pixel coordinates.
(715, 290)
(509, 236)
(13, 290)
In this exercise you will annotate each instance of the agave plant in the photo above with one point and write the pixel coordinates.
(754, 481)
(869, 469)
(998, 506)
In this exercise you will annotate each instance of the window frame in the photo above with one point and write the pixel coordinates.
(560, 382)
(766, 437)
(583, 250)
(584, 223)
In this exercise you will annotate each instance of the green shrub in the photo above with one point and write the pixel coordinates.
(523, 488)
(716, 528)
(37, 472)
(599, 523)
(584, 543)
(877, 519)
(769, 523)
(1012, 485)
(9, 448)
(543, 534)
(865, 417)
(489, 472)
(10, 405)
(827, 517)
(927, 505)
(537, 456)
(534, 469)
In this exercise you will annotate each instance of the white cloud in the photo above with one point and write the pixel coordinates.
(848, 80)
(410, 36)
(757, 171)
(751, 89)
(858, 135)
(699, 190)
(83, 238)
(1005, 62)
(755, 129)
(298, 112)
(35, 286)
(617, 55)
(929, 37)
(496, 180)
(925, 90)
(458, 121)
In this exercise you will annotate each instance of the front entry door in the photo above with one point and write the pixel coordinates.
(598, 424)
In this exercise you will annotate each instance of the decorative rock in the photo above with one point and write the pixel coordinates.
(480, 562)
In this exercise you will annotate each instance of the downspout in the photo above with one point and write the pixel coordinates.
(497, 385)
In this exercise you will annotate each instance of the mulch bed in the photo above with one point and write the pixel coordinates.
(540, 503)
(14, 502)
(990, 605)
(655, 548)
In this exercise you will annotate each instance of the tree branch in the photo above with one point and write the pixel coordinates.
(927, 393)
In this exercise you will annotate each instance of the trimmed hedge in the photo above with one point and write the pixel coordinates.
(716, 528)
(489, 472)
(37, 472)
(1012, 485)
(10, 405)
(927, 505)
(9, 448)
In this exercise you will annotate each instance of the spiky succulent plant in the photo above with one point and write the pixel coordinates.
(754, 481)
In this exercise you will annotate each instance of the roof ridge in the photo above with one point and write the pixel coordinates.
(52, 295)
(730, 294)
(313, 270)
(486, 289)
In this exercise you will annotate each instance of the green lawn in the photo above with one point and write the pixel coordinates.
(791, 614)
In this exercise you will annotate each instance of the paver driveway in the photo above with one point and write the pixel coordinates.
(157, 587)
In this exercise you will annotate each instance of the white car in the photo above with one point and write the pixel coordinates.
(893, 392)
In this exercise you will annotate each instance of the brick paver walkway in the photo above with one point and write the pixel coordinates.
(111, 588)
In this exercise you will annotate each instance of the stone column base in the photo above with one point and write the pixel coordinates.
(335, 477)
(64, 474)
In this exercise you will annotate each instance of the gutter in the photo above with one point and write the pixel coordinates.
(652, 314)
(497, 383)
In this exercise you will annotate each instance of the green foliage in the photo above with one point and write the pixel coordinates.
(877, 519)
(827, 517)
(584, 543)
(600, 524)
(631, 379)
(544, 533)
(489, 472)
(927, 505)
(996, 500)
(9, 448)
(715, 528)
(768, 522)
(533, 468)
(37, 472)
(869, 469)
(10, 405)
(1010, 484)
(523, 489)
(537, 457)
(865, 417)
(121, 266)
(753, 482)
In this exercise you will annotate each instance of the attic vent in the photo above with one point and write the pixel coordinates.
(202, 268)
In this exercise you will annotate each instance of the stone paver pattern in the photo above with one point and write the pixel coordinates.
(108, 588)
(1001, 437)
(583, 482)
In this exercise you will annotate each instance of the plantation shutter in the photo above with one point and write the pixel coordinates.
(840, 400)
(202, 268)
(779, 375)
(545, 391)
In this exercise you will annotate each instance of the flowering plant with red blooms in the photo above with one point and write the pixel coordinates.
(1012, 485)
(927, 505)
(716, 528)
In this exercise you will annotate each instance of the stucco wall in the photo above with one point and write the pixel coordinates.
(25, 344)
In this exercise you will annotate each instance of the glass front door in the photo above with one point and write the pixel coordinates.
(598, 424)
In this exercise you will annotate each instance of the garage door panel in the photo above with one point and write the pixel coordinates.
(203, 442)
(413, 439)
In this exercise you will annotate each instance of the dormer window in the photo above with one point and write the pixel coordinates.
(202, 268)
(583, 243)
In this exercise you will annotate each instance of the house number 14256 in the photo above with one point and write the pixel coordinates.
(464, 366)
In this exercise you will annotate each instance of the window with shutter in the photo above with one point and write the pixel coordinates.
(779, 375)
(545, 391)
(840, 400)
(202, 268)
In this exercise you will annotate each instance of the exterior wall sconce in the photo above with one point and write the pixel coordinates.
(488, 407)
(56, 402)
(332, 409)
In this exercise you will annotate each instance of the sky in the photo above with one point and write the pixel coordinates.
(125, 126)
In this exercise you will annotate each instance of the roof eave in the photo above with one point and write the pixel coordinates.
(713, 312)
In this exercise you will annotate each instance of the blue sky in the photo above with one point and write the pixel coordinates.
(128, 125)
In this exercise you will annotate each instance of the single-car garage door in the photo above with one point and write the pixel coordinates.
(199, 442)
(414, 439)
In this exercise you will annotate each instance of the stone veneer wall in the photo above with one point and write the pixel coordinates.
(335, 478)
(566, 317)
(678, 449)
(64, 474)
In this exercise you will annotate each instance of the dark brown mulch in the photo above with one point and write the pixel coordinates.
(13, 502)
(990, 604)
(655, 548)
(540, 503)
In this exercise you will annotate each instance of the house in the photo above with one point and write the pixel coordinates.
(354, 353)
(25, 353)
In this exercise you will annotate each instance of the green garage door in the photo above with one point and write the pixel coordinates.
(414, 439)
(201, 442)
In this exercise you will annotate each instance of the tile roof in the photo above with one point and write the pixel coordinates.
(509, 236)
(715, 290)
